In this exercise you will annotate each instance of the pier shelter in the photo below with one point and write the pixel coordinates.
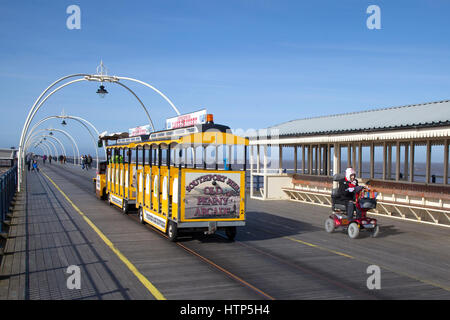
(402, 151)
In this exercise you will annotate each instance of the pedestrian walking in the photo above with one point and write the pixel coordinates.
(35, 166)
(89, 161)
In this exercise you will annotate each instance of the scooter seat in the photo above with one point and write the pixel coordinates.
(339, 206)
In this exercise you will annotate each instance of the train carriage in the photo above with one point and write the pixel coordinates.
(174, 187)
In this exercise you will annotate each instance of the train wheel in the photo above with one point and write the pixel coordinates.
(125, 207)
(172, 231)
(231, 233)
(141, 215)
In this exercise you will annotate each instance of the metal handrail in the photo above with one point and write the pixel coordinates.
(8, 186)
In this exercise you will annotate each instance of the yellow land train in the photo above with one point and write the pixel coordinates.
(183, 180)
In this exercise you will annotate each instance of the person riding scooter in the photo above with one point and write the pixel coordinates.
(348, 188)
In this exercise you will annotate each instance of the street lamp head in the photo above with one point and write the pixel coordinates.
(102, 91)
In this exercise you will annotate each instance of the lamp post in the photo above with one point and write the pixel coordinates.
(99, 77)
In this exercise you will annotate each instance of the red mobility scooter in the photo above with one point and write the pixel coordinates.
(365, 200)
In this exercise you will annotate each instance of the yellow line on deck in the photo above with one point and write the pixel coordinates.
(147, 284)
(370, 263)
(319, 247)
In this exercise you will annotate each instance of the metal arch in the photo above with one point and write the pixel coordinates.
(145, 109)
(86, 127)
(49, 145)
(56, 139)
(43, 135)
(45, 148)
(78, 119)
(36, 107)
(29, 117)
(74, 144)
(154, 89)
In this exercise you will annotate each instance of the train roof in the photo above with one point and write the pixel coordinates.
(201, 134)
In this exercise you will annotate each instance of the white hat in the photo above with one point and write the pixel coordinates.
(349, 172)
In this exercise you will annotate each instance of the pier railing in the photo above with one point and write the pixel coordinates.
(8, 186)
(419, 202)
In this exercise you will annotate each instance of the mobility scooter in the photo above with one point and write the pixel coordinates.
(365, 200)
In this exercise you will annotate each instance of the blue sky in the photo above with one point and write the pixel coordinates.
(251, 63)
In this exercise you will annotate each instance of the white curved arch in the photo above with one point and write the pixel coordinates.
(48, 144)
(54, 138)
(74, 144)
(45, 148)
(154, 89)
(78, 119)
(40, 100)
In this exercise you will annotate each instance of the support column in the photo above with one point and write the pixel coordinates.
(339, 169)
(303, 159)
(406, 160)
(316, 162)
(319, 160)
(265, 172)
(336, 161)
(445, 161)
(349, 155)
(372, 160)
(258, 159)
(310, 158)
(389, 161)
(384, 160)
(397, 162)
(280, 158)
(252, 149)
(295, 159)
(411, 160)
(360, 160)
(354, 156)
(328, 171)
(428, 164)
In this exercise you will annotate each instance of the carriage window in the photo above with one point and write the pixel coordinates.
(131, 156)
(125, 157)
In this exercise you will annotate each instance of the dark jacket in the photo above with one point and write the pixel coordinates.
(343, 193)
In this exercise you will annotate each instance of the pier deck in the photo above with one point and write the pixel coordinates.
(282, 253)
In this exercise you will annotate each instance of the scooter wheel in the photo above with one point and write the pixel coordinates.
(375, 231)
(329, 225)
(353, 230)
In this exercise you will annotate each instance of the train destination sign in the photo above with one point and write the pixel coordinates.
(186, 120)
(212, 195)
(132, 132)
